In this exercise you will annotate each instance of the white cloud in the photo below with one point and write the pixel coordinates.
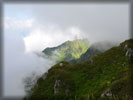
(17, 24)
(19, 57)
(18, 63)
(41, 37)
(57, 23)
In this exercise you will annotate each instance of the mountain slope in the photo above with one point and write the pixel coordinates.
(104, 77)
(94, 49)
(67, 51)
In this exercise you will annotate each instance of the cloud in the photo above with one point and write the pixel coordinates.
(15, 24)
(100, 21)
(42, 36)
(20, 58)
(18, 64)
(50, 25)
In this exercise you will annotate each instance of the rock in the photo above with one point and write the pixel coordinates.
(75, 97)
(125, 47)
(61, 64)
(91, 61)
(107, 93)
(124, 64)
(129, 53)
(57, 86)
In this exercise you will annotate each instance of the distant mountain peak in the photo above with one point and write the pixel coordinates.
(105, 76)
(68, 50)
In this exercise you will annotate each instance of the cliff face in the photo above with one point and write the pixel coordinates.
(103, 77)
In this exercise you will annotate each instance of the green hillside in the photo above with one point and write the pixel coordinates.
(103, 77)
(94, 49)
(67, 51)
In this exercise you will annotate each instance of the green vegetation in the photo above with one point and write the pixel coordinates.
(103, 77)
(130, 58)
(67, 51)
(94, 49)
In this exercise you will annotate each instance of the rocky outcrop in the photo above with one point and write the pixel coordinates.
(129, 51)
(91, 61)
(107, 93)
(57, 86)
(61, 64)
(124, 64)
(125, 47)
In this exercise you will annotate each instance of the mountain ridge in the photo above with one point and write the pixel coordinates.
(103, 77)
(94, 49)
(67, 51)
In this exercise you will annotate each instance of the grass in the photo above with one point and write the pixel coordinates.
(88, 80)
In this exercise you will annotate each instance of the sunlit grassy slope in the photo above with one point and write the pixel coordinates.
(94, 49)
(104, 77)
(68, 50)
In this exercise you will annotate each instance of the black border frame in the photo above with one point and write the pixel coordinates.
(2, 2)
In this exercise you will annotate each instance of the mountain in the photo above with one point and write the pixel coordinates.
(103, 77)
(67, 51)
(94, 49)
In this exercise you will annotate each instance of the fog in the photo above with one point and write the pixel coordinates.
(19, 64)
(30, 28)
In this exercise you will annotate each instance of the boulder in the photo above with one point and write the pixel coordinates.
(129, 53)
(125, 47)
(61, 64)
(107, 93)
(57, 86)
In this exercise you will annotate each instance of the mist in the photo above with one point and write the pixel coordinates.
(19, 64)
(30, 28)
(96, 21)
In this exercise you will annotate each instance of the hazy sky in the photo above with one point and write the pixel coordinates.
(50, 24)
(30, 28)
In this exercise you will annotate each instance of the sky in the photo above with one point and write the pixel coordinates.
(30, 28)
